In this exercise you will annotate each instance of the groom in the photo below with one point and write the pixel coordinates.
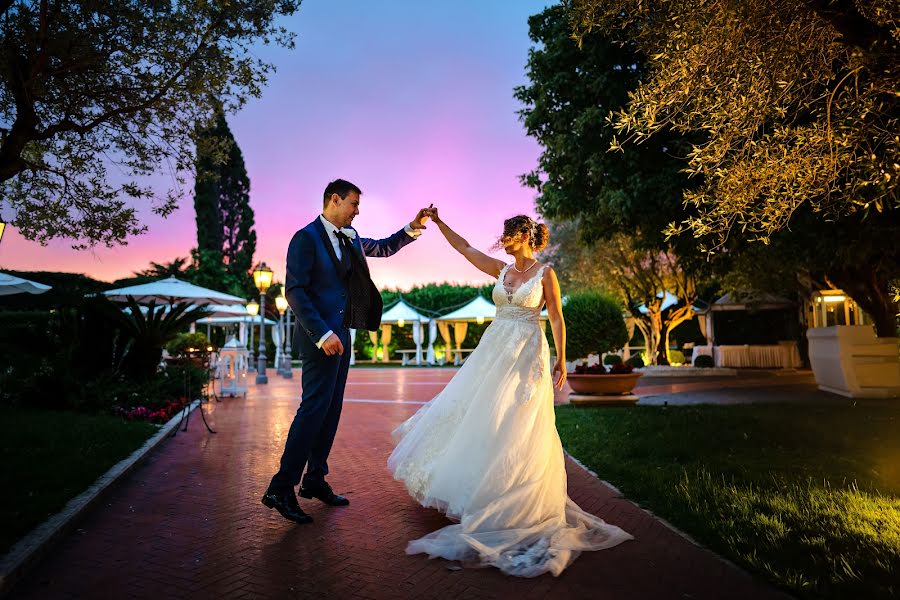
(329, 289)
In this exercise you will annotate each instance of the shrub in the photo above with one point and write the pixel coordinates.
(183, 341)
(594, 324)
(704, 361)
(635, 361)
(612, 359)
(676, 357)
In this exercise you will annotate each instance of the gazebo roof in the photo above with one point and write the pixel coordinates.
(757, 300)
(401, 311)
(172, 290)
(477, 308)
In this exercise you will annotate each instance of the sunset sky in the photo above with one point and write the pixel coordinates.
(412, 101)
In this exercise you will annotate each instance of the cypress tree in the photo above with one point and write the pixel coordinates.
(226, 240)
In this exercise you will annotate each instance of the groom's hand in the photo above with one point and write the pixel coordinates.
(333, 345)
(421, 217)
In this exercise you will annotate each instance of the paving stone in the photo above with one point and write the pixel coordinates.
(188, 522)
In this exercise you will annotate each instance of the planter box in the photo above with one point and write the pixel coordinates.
(849, 360)
(602, 389)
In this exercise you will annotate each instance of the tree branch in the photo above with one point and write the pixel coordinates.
(855, 28)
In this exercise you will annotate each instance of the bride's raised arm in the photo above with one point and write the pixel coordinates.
(482, 261)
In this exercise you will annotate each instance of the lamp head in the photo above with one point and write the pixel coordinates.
(281, 304)
(253, 308)
(262, 277)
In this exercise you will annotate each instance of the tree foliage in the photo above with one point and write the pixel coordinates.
(642, 278)
(97, 96)
(226, 240)
(797, 100)
(435, 299)
(571, 95)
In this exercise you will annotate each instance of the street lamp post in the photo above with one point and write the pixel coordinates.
(253, 310)
(281, 305)
(262, 278)
(288, 332)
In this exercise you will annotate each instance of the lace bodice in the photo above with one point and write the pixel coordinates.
(521, 304)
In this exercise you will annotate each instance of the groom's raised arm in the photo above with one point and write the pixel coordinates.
(300, 257)
(389, 245)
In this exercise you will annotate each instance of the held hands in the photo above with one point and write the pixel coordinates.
(332, 345)
(421, 217)
(560, 379)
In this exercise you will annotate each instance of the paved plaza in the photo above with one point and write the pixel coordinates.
(188, 522)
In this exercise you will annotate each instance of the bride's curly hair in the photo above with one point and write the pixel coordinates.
(516, 228)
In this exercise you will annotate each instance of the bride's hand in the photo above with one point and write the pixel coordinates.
(560, 367)
(432, 212)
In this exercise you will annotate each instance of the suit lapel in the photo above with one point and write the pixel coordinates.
(327, 241)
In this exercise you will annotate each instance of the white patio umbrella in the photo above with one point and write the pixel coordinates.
(172, 290)
(10, 284)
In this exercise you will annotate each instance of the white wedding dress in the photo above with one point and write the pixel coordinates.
(485, 451)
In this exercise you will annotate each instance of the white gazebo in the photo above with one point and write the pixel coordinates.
(478, 311)
(399, 314)
(784, 354)
(10, 284)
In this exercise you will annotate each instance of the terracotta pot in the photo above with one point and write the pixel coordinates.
(602, 385)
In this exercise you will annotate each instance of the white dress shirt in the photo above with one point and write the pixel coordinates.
(332, 230)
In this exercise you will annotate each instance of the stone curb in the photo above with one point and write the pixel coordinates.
(31, 548)
(692, 372)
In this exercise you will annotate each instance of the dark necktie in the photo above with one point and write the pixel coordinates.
(344, 243)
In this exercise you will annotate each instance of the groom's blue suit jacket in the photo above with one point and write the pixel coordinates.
(314, 288)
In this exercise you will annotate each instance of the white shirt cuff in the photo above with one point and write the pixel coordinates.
(324, 337)
(414, 233)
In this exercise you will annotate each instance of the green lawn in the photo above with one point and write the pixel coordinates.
(49, 457)
(806, 497)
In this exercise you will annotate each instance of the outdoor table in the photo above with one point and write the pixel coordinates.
(407, 356)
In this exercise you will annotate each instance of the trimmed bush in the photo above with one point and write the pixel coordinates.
(704, 361)
(183, 341)
(676, 357)
(635, 361)
(612, 359)
(594, 324)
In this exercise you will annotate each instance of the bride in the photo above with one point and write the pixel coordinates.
(485, 450)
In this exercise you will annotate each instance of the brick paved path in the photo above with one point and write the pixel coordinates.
(189, 524)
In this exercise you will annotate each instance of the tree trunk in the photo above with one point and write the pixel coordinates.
(662, 348)
(869, 286)
(654, 322)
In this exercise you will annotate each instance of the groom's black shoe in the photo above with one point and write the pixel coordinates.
(324, 493)
(287, 505)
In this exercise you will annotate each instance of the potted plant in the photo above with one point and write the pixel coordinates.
(594, 325)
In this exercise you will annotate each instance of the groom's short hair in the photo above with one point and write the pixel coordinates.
(341, 187)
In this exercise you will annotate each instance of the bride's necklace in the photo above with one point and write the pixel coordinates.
(524, 270)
